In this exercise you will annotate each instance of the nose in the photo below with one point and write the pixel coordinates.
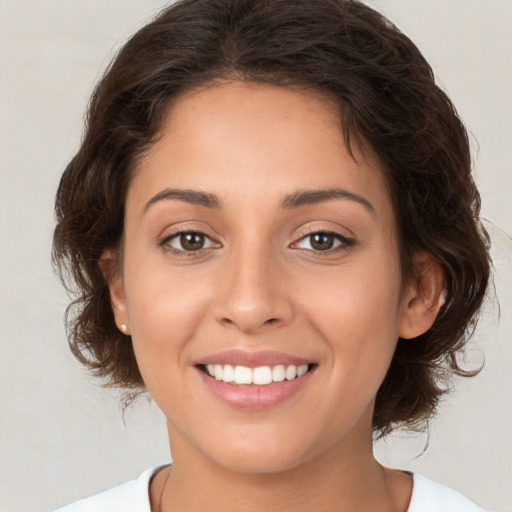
(254, 293)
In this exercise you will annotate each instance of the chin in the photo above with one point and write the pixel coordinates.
(263, 452)
(258, 462)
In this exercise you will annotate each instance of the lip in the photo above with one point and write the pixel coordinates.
(253, 397)
(252, 359)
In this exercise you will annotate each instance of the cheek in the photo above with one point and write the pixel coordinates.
(164, 311)
(357, 298)
(357, 314)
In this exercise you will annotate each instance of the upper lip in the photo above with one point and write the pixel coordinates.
(252, 359)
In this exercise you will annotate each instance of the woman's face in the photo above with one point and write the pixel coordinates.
(255, 247)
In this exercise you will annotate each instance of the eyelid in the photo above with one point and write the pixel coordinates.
(164, 240)
(345, 241)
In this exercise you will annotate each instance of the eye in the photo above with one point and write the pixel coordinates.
(187, 241)
(323, 241)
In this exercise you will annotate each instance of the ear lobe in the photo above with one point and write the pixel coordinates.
(110, 268)
(424, 297)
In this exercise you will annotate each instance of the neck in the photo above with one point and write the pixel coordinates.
(346, 479)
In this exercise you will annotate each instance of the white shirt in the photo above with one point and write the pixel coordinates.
(133, 496)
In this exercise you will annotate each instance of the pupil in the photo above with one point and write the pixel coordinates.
(192, 241)
(322, 241)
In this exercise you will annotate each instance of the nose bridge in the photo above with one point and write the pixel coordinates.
(252, 296)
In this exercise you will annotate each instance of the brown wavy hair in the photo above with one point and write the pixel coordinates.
(389, 102)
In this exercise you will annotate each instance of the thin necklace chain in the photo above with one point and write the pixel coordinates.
(159, 508)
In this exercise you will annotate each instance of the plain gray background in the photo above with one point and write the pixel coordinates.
(61, 436)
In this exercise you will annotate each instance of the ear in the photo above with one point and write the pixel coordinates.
(424, 297)
(111, 269)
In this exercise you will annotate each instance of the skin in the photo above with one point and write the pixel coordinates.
(258, 283)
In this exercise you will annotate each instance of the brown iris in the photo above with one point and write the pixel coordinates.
(322, 241)
(192, 241)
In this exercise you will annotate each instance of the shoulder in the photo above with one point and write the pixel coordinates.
(429, 496)
(131, 496)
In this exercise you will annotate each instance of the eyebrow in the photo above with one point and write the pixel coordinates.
(189, 196)
(307, 197)
(291, 201)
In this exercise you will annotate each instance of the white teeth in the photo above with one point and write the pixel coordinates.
(217, 371)
(301, 370)
(228, 375)
(291, 372)
(260, 376)
(243, 375)
(278, 373)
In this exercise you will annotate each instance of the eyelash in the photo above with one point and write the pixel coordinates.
(163, 243)
(345, 244)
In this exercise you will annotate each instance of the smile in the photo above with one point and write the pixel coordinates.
(260, 376)
(254, 381)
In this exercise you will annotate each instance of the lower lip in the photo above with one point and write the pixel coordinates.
(252, 397)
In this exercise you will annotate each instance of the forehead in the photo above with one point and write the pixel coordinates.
(243, 139)
(238, 96)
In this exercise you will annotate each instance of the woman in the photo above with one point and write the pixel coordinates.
(274, 230)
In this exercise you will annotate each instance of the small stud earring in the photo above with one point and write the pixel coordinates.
(124, 328)
(442, 298)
